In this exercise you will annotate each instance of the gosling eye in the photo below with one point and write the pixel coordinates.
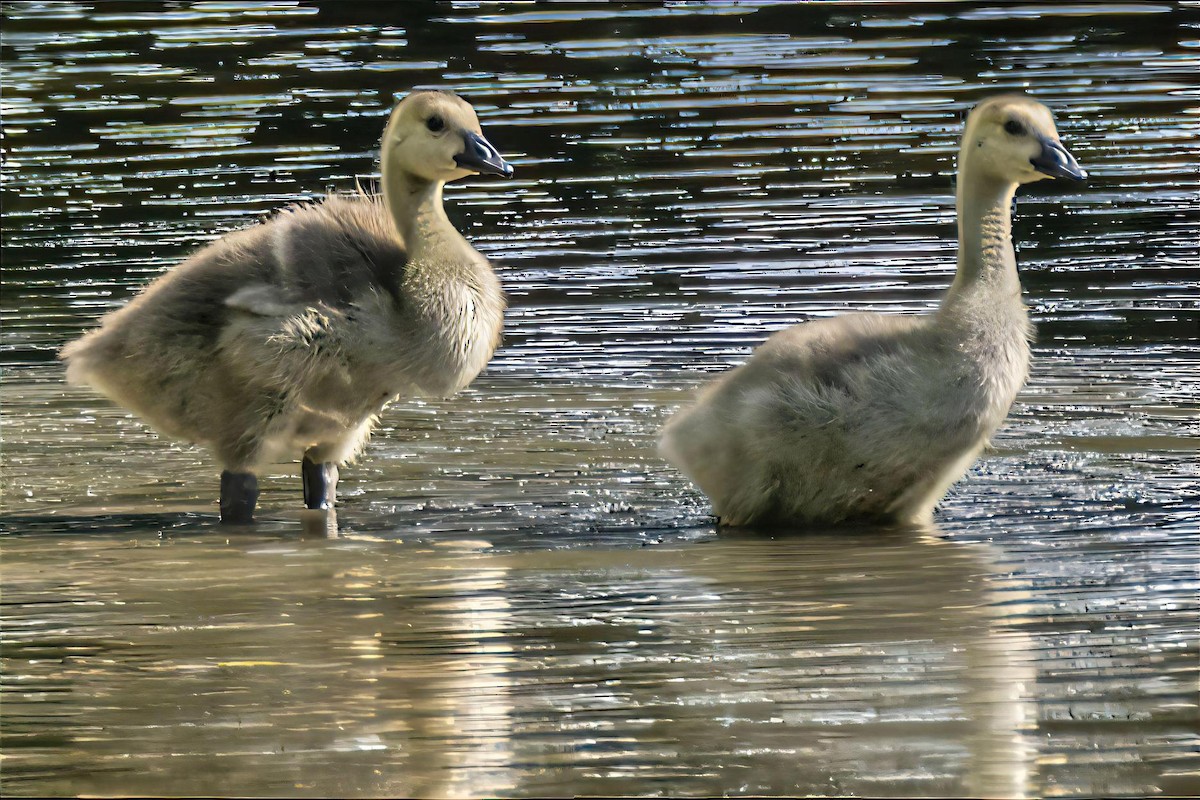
(435, 123)
(1014, 128)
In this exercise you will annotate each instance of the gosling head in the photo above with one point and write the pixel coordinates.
(436, 136)
(1012, 138)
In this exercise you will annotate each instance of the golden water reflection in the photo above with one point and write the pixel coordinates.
(875, 663)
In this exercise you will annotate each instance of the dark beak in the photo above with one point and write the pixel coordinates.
(1057, 162)
(478, 155)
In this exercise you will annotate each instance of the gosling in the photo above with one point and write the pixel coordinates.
(871, 418)
(288, 338)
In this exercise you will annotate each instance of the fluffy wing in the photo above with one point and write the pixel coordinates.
(334, 251)
(323, 259)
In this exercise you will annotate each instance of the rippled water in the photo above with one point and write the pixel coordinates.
(519, 597)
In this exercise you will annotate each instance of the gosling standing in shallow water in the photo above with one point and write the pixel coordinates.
(289, 337)
(871, 417)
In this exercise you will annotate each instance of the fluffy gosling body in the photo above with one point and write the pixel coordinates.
(872, 417)
(289, 337)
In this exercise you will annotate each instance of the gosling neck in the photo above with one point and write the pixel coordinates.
(986, 260)
(418, 213)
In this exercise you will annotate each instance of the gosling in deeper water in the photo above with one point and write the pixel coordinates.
(873, 417)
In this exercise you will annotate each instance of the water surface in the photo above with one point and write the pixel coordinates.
(518, 597)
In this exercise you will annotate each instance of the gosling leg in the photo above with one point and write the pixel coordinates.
(320, 482)
(239, 493)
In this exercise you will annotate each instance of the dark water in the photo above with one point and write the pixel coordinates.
(519, 597)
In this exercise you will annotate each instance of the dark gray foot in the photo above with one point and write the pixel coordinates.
(320, 483)
(239, 493)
